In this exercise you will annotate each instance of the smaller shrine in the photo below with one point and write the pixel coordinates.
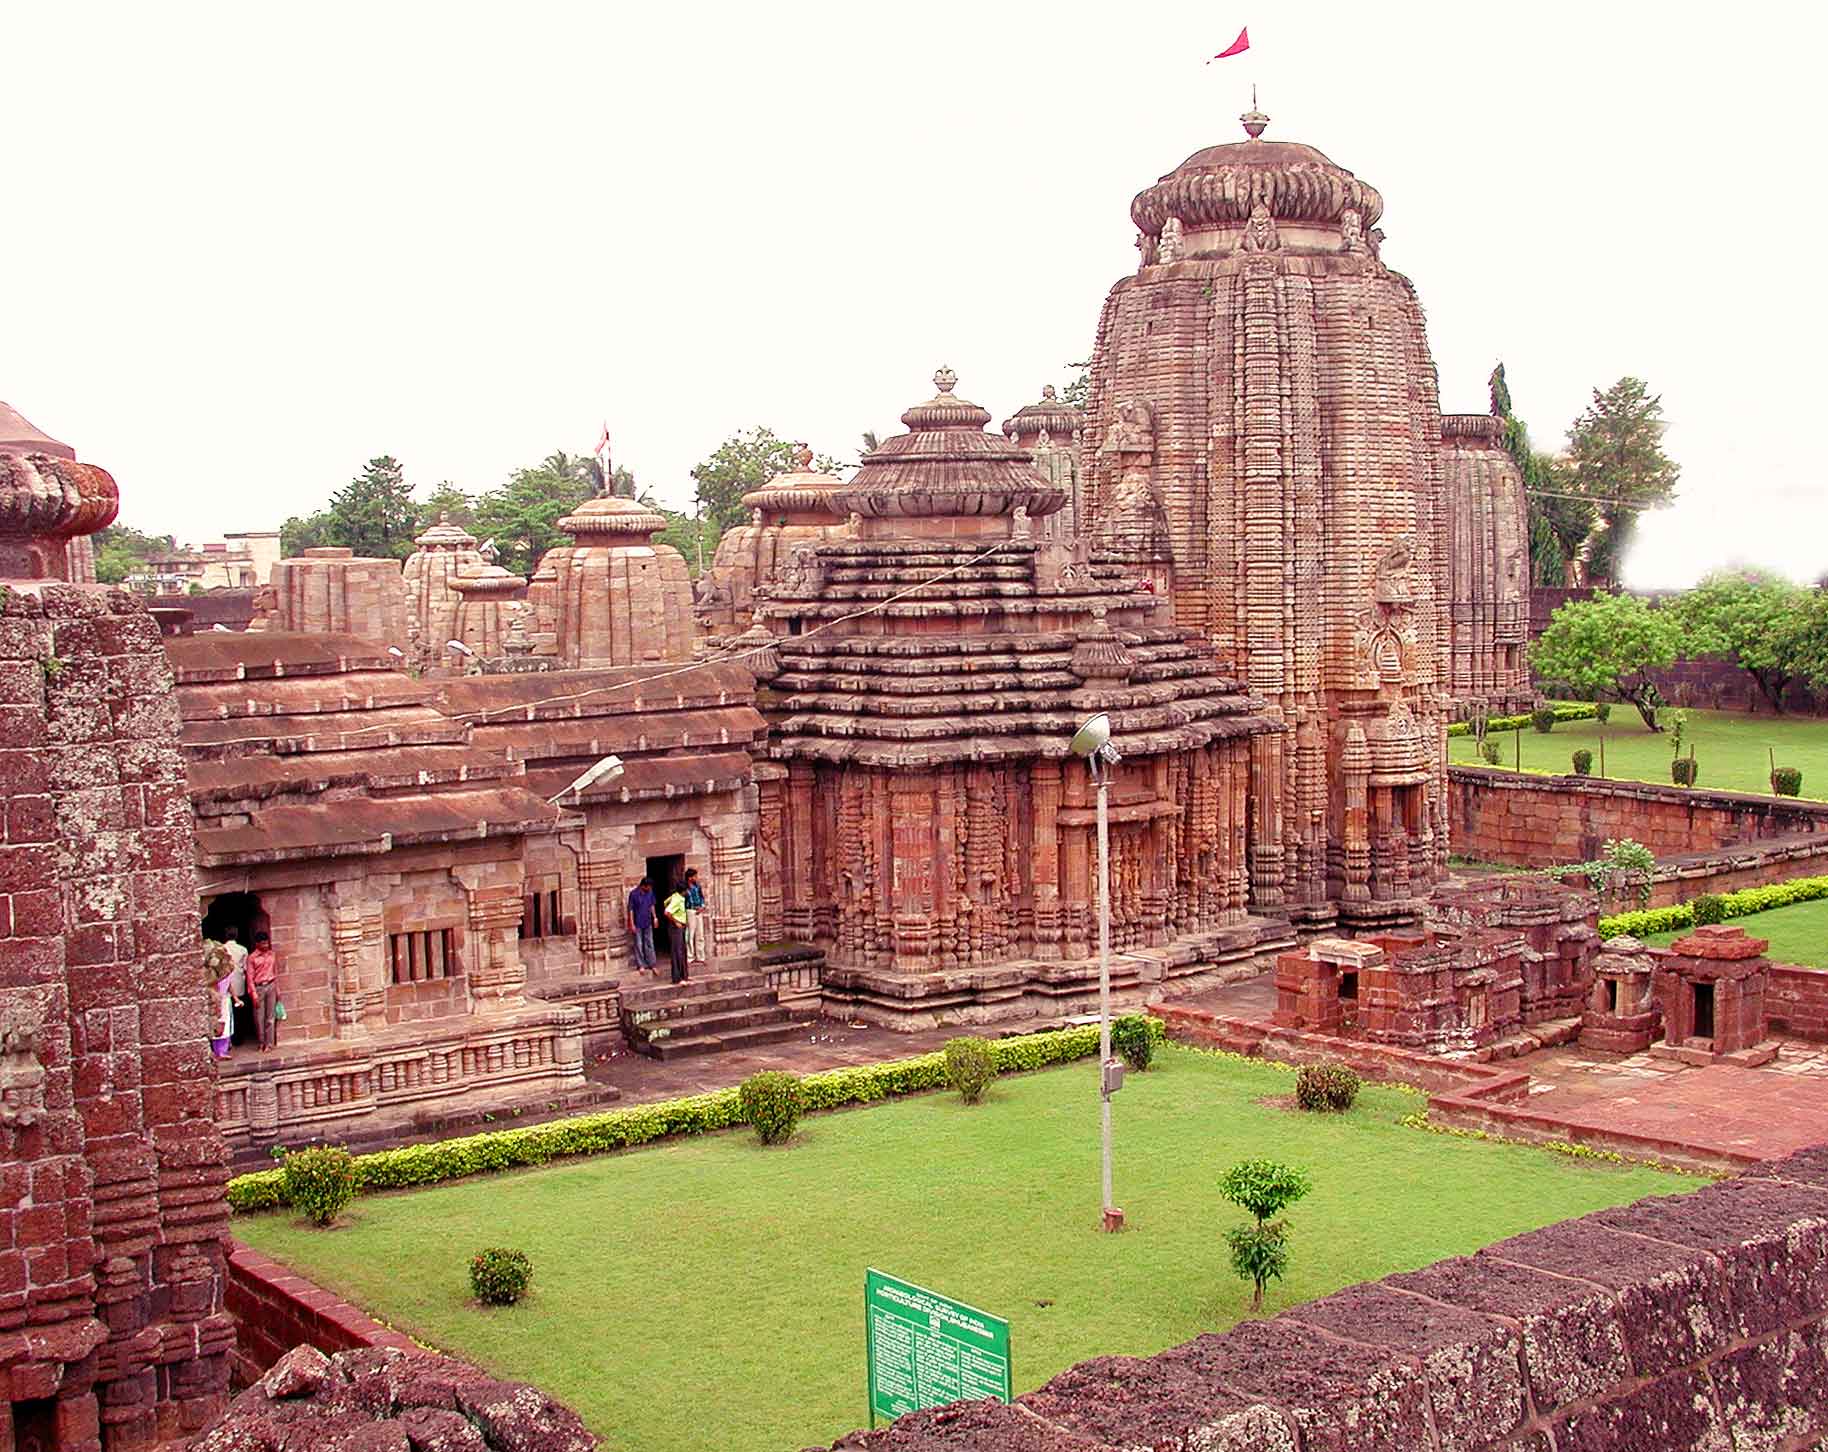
(1623, 1014)
(1488, 558)
(490, 607)
(792, 511)
(445, 553)
(1712, 984)
(332, 591)
(1049, 429)
(615, 597)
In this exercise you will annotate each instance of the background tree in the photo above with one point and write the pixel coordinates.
(449, 502)
(1606, 649)
(121, 550)
(1770, 628)
(374, 513)
(1559, 523)
(1080, 389)
(522, 514)
(1265, 1188)
(1616, 460)
(307, 532)
(741, 463)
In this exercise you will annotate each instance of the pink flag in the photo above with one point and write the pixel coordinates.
(1237, 47)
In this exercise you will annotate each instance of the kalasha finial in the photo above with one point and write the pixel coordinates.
(1253, 119)
(802, 458)
(45, 502)
(945, 380)
(1047, 393)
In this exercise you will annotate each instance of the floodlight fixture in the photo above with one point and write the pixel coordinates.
(1092, 737)
(608, 769)
(396, 652)
(459, 647)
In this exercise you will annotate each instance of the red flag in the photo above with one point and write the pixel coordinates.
(1237, 47)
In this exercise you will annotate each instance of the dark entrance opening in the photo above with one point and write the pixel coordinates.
(236, 917)
(1612, 995)
(1704, 1010)
(1348, 985)
(35, 1425)
(665, 873)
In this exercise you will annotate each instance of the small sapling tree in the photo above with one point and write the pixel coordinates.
(1259, 1252)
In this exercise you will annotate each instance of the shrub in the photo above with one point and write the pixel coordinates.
(1683, 772)
(1259, 1253)
(1583, 763)
(1710, 907)
(1131, 1037)
(319, 1182)
(1746, 901)
(1602, 711)
(1787, 781)
(623, 1127)
(1489, 752)
(1566, 711)
(499, 1276)
(772, 1102)
(970, 1066)
(1326, 1088)
(1543, 718)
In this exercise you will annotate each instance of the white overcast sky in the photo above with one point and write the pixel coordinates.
(251, 245)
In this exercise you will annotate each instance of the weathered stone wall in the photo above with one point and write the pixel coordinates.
(1532, 821)
(275, 1310)
(329, 591)
(1690, 1321)
(1754, 864)
(111, 1171)
(1796, 1000)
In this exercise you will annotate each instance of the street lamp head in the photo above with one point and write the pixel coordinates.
(459, 647)
(608, 769)
(1093, 736)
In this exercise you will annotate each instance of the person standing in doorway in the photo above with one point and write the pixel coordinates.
(242, 998)
(695, 917)
(263, 983)
(676, 932)
(641, 925)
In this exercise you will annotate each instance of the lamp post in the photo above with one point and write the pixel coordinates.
(1092, 742)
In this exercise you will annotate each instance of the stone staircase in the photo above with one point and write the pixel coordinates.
(712, 1014)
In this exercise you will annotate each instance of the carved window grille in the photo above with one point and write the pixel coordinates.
(422, 957)
(540, 916)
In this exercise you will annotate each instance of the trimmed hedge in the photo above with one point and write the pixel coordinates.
(1565, 711)
(615, 1129)
(1744, 903)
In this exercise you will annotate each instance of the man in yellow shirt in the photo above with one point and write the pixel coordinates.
(675, 911)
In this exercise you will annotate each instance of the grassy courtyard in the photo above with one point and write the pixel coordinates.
(1731, 749)
(708, 1292)
(1798, 934)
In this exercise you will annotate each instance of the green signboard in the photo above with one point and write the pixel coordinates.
(925, 1350)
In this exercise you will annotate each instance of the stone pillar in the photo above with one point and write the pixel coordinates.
(913, 838)
(1045, 785)
(1355, 831)
(798, 850)
(770, 882)
(732, 895)
(1078, 890)
(602, 914)
(1266, 859)
(498, 978)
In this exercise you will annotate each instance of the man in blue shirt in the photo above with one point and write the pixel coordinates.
(641, 925)
(695, 916)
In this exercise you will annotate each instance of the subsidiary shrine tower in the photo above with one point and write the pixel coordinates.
(1264, 421)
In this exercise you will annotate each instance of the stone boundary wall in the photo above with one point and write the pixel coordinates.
(275, 1309)
(1462, 1094)
(1796, 998)
(1757, 864)
(1524, 820)
(1687, 1321)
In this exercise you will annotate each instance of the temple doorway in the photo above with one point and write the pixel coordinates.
(665, 873)
(34, 1425)
(1704, 1011)
(234, 914)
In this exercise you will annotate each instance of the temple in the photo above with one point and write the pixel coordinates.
(791, 511)
(1488, 557)
(921, 820)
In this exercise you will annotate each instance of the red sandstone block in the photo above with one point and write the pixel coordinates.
(27, 868)
(169, 1103)
(86, 947)
(29, 819)
(46, 1267)
(1674, 1411)
(110, 1115)
(22, 727)
(37, 1226)
(27, 962)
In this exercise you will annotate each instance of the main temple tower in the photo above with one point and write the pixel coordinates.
(1264, 416)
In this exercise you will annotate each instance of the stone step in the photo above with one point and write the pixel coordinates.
(693, 1007)
(709, 1024)
(741, 1038)
(704, 986)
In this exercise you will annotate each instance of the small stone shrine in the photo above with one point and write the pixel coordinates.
(445, 553)
(615, 597)
(1049, 430)
(488, 604)
(330, 591)
(1712, 984)
(1623, 1014)
(1264, 418)
(788, 513)
(922, 816)
(113, 1336)
(1555, 920)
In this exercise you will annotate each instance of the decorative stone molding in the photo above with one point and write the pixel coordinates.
(46, 502)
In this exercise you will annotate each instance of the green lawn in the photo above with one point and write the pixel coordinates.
(1731, 748)
(708, 1292)
(1798, 934)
